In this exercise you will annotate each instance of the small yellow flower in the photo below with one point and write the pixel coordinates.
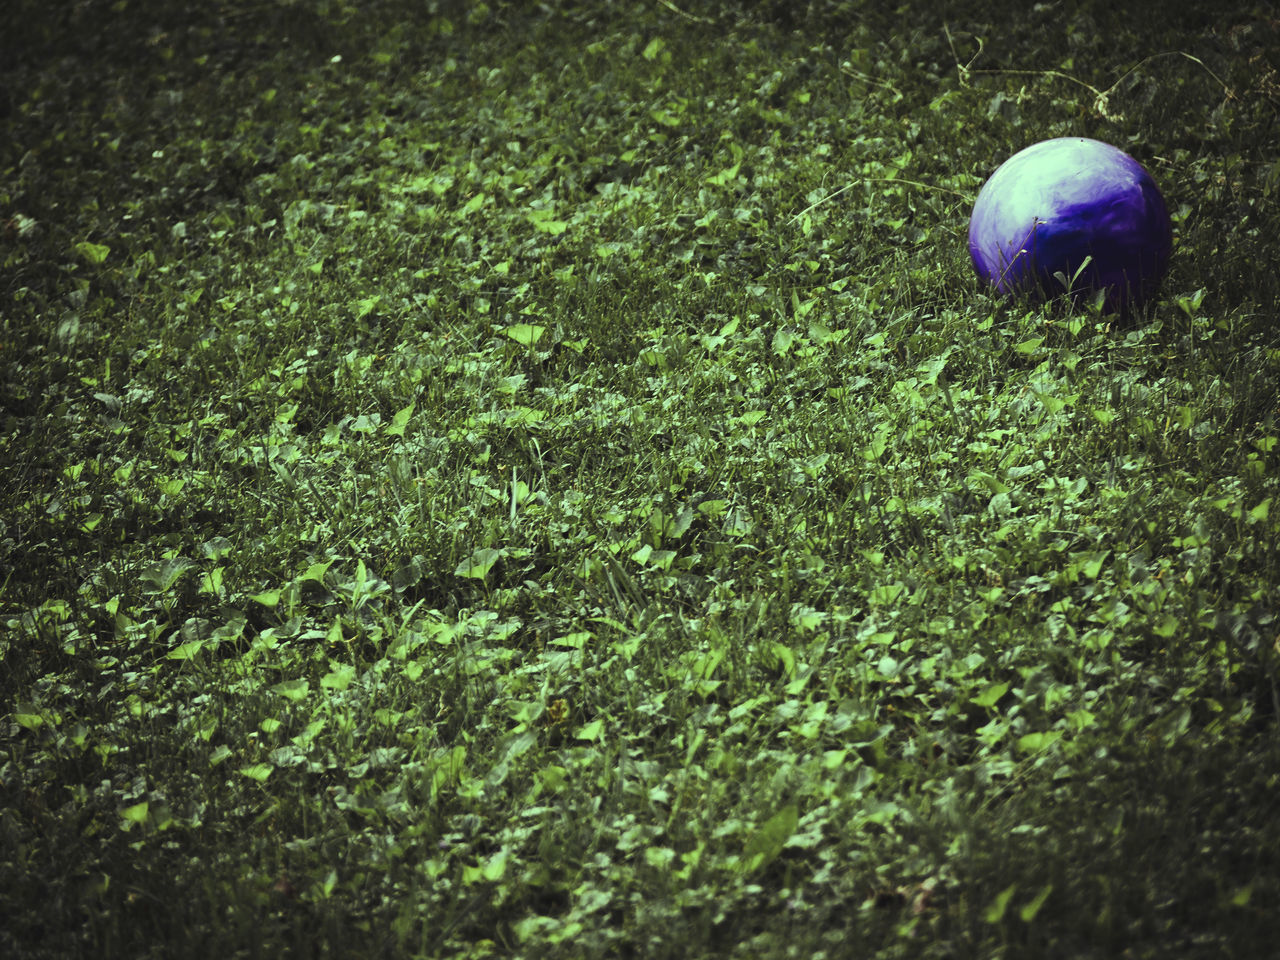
(557, 711)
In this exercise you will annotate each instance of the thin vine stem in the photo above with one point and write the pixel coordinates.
(850, 186)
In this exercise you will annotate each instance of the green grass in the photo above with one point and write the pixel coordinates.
(500, 481)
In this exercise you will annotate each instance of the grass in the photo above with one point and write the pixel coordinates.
(497, 480)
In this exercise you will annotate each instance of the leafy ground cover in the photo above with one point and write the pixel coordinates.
(542, 480)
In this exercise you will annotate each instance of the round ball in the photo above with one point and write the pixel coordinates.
(1066, 204)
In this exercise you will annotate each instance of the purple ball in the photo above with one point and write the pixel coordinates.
(1055, 204)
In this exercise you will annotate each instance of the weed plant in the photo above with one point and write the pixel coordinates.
(502, 479)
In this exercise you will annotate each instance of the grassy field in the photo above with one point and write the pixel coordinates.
(515, 480)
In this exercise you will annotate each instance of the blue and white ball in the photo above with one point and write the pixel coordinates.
(1066, 204)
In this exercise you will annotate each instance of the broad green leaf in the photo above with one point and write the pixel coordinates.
(136, 813)
(294, 690)
(339, 676)
(786, 658)
(186, 651)
(1034, 742)
(820, 333)
(1029, 347)
(211, 581)
(94, 253)
(514, 746)
(806, 618)
(1093, 566)
(664, 116)
(662, 559)
(478, 565)
(1032, 907)
(310, 732)
(166, 573)
(724, 176)
(257, 771)
(769, 838)
(887, 593)
(216, 549)
(995, 911)
(399, 422)
(989, 696)
(659, 857)
(987, 480)
(782, 341)
(489, 870)
(810, 725)
(471, 206)
(1050, 403)
(362, 308)
(316, 572)
(27, 716)
(525, 334)
(1082, 719)
(1260, 512)
(546, 223)
(519, 416)
(877, 445)
(496, 867)
(802, 308)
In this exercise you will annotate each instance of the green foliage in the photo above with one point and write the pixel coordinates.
(542, 480)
